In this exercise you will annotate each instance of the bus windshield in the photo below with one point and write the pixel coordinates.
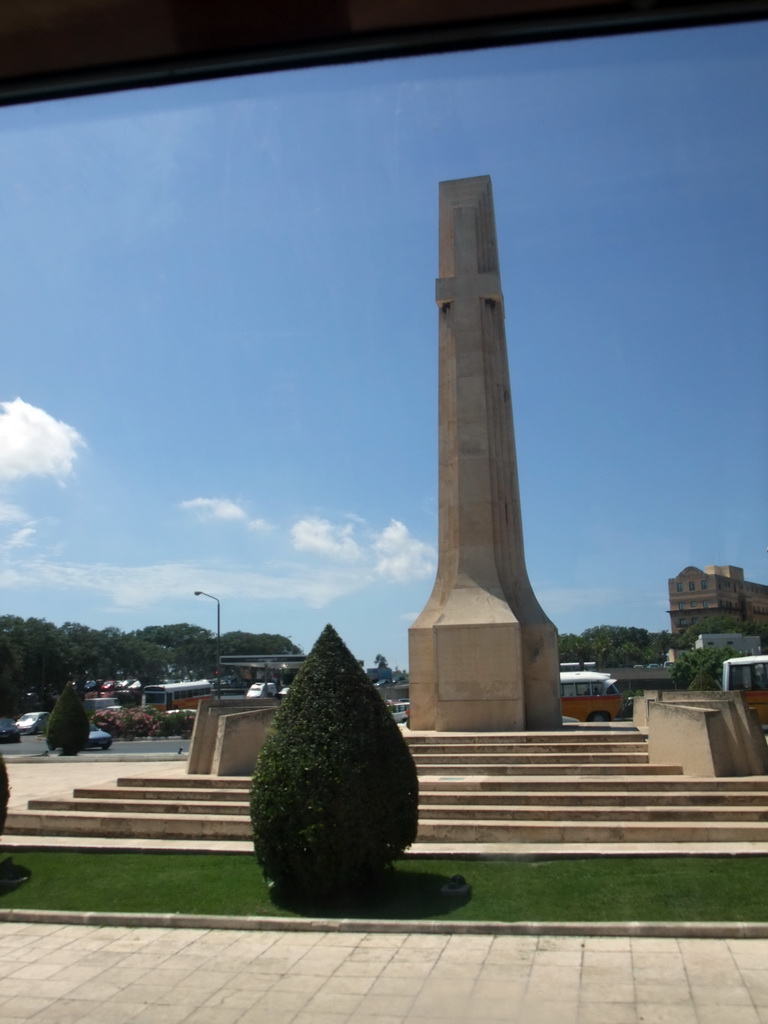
(746, 673)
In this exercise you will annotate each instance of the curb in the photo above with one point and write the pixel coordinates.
(633, 929)
(82, 757)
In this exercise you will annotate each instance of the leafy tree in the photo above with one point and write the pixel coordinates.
(720, 624)
(68, 725)
(82, 651)
(335, 793)
(190, 649)
(237, 642)
(690, 664)
(704, 680)
(8, 691)
(576, 648)
(380, 661)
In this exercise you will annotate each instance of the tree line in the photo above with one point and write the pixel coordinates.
(625, 646)
(39, 658)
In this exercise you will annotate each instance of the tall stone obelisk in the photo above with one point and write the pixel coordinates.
(483, 655)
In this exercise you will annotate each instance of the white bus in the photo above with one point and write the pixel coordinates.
(171, 696)
(589, 696)
(750, 675)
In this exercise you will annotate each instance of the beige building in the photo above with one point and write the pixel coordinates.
(717, 590)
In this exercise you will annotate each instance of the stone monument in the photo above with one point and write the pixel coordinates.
(483, 655)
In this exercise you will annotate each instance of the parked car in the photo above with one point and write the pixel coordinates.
(98, 739)
(9, 731)
(262, 690)
(401, 710)
(33, 722)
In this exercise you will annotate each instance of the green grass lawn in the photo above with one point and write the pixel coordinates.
(600, 889)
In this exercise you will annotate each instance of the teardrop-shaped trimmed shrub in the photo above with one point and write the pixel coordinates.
(5, 792)
(68, 725)
(335, 792)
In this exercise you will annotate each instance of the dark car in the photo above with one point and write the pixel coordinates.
(97, 738)
(9, 731)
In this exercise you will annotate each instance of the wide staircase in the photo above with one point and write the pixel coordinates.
(580, 786)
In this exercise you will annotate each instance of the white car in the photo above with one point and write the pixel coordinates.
(400, 710)
(33, 722)
(262, 690)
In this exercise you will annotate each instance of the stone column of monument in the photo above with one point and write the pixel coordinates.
(483, 655)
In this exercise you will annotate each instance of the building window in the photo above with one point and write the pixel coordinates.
(705, 584)
(691, 586)
(682, 622)
(694, 604)
(679, 587)
(705, 604)
(681, 606)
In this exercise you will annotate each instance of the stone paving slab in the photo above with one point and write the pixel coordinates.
(53, 973)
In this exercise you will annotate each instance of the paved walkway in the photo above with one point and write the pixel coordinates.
(58, 974)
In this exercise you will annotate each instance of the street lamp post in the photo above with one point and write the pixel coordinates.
(202, 593)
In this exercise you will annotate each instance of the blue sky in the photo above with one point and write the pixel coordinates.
(220, 338)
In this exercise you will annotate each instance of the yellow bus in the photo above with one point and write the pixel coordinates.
(750, 675)
(589, 696)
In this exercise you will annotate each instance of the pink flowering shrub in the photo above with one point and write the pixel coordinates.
(138, 723)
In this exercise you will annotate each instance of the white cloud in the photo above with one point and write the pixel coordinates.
(259, 524)
(215, 508)
(400, 557)
(32, 443)
(323, 538)
(20, 539)
(222, 508)
(392, 554)
(146, 586)
(11, 513)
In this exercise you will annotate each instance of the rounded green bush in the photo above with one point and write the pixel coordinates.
(335, 792)
(5, 792)
(68, 726)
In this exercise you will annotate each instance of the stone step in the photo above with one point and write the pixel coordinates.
(513, 758)
(459, 805)
(233, 796)
(617, 784)
(427, 812)
(582, 737)
(190, 782)
(579, 769)
(137, 826)
(528, 749)
(566, 798)
(685, 832)
(449, 830)
(119, 805)
(512, 813)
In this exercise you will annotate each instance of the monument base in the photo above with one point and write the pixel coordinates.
(466, 678)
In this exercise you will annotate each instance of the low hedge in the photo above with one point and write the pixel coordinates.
(138, 723)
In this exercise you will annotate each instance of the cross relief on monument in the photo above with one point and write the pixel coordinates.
(483, 655)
